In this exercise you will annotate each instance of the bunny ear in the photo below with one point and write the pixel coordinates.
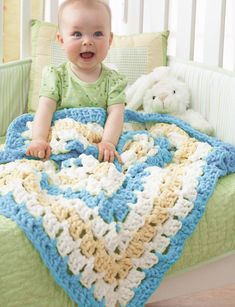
(161, 72)
(174, 73)
(135, 93)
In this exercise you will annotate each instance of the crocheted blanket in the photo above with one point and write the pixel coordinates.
(109, 232)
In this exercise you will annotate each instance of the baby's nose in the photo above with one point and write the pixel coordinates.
(87, 41)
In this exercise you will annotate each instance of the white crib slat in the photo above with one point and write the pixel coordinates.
(50, 9)
(214, 32)
(156, 14)
(135, 17)
(1, 31)
(141, 16)
(119, 16)
(185, 36)
(125, 11)
(127, 16)
(25, 14)
(229, 37)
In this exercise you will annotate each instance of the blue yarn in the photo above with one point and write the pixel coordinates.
(219, 162)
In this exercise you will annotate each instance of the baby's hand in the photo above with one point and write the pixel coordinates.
(107, 152)
(39, 149)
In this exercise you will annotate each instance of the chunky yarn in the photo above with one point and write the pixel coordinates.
(109, 232)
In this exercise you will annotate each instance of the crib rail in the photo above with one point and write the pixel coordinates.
(13, 89)
(200, 30)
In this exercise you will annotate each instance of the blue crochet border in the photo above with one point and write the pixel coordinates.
(220, 162)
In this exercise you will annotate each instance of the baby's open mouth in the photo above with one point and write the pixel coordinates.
(86, 55)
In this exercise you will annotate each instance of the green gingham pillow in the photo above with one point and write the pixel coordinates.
(131, 55)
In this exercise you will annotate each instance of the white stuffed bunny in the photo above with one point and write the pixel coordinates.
(162, 92)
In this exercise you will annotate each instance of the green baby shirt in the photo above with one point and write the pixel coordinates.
(62, 85)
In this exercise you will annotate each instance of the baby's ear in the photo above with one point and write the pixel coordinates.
(110, 38)
(59, 38)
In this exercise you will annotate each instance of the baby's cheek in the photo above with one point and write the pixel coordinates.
(72, 47)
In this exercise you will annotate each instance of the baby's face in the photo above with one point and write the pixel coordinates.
(85, 35)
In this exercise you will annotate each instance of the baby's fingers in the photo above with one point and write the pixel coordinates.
(28, 152)
(47, 152)
(101, 154)
(31, 152)
(41, 154)
(118, 157)
(111, 156)
(107, 154)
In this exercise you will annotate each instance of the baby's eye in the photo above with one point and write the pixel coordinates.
(98, 34)
(77, 34)
(154, 97)
(174, 91)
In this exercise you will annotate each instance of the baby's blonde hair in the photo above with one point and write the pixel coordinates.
(86, 3)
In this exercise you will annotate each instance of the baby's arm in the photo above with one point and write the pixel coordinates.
(112, 130)
(39, 146)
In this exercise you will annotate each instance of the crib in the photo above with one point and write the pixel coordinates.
(205, 60)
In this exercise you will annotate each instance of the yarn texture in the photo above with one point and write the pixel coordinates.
(109, 232)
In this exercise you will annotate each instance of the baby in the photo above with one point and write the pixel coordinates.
(85, 35)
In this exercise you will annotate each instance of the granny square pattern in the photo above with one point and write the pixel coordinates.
(108, 232)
